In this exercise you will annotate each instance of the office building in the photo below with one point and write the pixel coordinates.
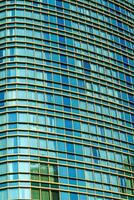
(66, 100)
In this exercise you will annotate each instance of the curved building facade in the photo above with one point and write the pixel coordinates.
(66, 100)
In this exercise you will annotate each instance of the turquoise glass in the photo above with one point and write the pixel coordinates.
(66, 100)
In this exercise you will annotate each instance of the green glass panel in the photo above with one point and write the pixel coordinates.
(44, 168)
(45, 195)
(53, 170)
(34, 167)
(53, 179)
(35, 194)
(34, 177)
(54, 195)
(44, 178)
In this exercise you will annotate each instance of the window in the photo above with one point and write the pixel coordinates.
(70, 147)
(72, 172)
(12, 117)
(54, 195)
(68, 123)
(73, 196)
(45, 195)
(35, 194)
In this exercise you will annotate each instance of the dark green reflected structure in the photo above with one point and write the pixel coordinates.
(66, 103)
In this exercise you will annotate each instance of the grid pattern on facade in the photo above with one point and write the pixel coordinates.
(66, 100)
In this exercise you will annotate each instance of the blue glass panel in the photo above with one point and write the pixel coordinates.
(70, 147)
(12, 117)
(81, 173)
(123, 181)
(1, 52)
(64, 79)
(59, 3)
(125, 59)
(77, 125)
(128, 78)
(68, 123)
(1, 95)
(45, 18)
(83, 197)
(62, 39)
(131, 97)
(72, 172)
(52, 2)
(11, 51)
(111, 5)
(60, 21)
(64, 195)
(95, 152)
(4, 194)
(49, 76)
(63, 59)
(47, 55)
(66, 101)
(117, 8)
(132, 118)
(46, 36)
(56, 78)
(122, 41)
(119, 24)
(67, 22)
(73, 196)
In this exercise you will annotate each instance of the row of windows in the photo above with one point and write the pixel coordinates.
(97, 133)
(45, 17)
(74, 8)
(66, 104)
(65, 147)
(114, 6)
(76, 183)
(66, 62)
(64, 40)
(67, 101)
(39, 74)
(119, 10)
(80, 174)
(93, 90)
(104, 143)
(14, 193)
(66, 46)
(93, 48)
(37, 194)
(108, 6)
(114, 95)
(123, 76)
(89, 164)
(108, 113)
(44, 75)
(61, 57)
(86, 29)
(68, 40)
(49, 76)
(101, 118)
(64, 112)
(66, 159)
(33, 118)
(69, 172)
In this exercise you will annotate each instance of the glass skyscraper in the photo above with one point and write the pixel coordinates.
(66, 100)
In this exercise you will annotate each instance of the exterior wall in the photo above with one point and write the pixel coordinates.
(66, 104)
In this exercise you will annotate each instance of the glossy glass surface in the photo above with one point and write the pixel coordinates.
(66, 100)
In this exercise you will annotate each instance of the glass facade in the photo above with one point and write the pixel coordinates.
(66, 100)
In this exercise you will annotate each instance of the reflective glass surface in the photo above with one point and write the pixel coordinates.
(66, 100)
